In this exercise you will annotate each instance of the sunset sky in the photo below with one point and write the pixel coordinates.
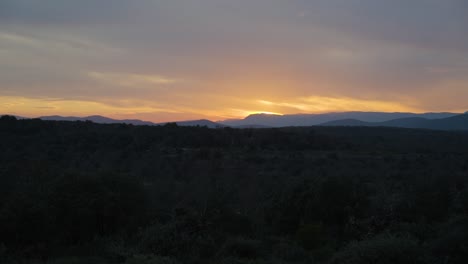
(163, 60)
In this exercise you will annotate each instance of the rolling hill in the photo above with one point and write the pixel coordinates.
(437, 121)
(97, 119)
(105, 120)
(268, 120)
(201, 122)
(458, 122)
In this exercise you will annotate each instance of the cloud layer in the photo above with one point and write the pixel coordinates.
(221, 59)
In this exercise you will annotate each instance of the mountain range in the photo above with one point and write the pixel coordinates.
(437, 121)
(96, 119)
(136, 122)
(458, 122)
(268, 120)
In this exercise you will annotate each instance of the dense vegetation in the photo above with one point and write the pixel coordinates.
(80, 192)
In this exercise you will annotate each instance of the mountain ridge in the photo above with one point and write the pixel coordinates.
(317, 119)
(439, 121)
(106, 120)
(458, 122)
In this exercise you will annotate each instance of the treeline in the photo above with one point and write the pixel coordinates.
(80, 192)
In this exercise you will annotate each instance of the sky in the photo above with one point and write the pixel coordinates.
(169, 60)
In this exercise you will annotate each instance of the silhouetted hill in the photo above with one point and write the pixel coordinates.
(440, 121)
(105, 120)
(316, 119)
(193, 123)
(96, 119)
(347, 122)
(252, 126)
(458, 122)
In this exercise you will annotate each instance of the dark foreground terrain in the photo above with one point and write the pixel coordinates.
(79, 192)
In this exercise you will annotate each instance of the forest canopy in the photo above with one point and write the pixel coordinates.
(80, 192)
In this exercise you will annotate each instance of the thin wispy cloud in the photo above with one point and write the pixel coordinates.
(130, 80)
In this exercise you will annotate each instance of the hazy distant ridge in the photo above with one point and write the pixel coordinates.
(136, 122)
(317, 119)
(96, 119)
(439, 121)
(458, 122)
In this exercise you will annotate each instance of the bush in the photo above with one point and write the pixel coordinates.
(383, 249)
(246, 261)
(90, 206)
(151, 259)
(78, 260)
(172, 239)
(452, 241)
(243, 248)
(311, 236)
(290, 252)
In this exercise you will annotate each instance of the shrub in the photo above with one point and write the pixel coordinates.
(78, 260)
(383, 249)
(150, 259)
(290, 252)
(243, 248)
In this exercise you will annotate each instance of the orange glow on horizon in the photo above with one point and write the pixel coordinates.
(150, 111)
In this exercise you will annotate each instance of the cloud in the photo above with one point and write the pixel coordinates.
(422, 23)
(219, 57)
(64, 12)
(17, 39)
(30, 105)
(131, 80)
(55, 43)
(321, 104)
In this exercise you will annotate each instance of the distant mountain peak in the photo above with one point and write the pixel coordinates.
(262, 115)
(194, 123)
(457, 122)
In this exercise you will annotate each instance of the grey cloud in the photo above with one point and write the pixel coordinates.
(426, 23)
(64, 12)
(433, 23)
(361, 48)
